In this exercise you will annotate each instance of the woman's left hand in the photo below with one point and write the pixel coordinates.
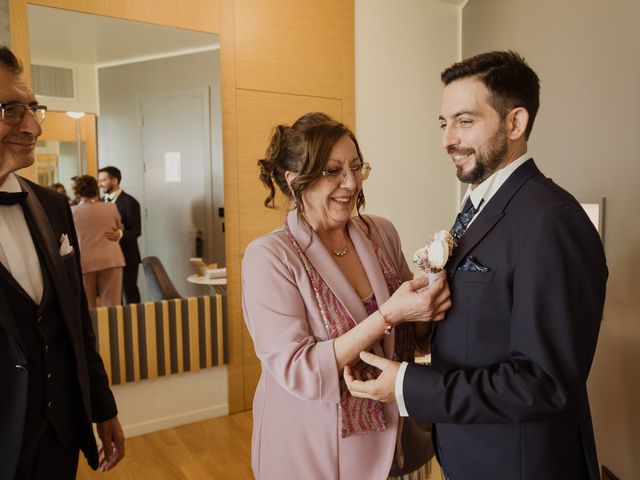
(414, 303)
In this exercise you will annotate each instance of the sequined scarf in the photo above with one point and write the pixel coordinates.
(357, 415)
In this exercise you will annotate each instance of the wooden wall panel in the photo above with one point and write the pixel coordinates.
(348, 93)
(235, 369)
(290, 46)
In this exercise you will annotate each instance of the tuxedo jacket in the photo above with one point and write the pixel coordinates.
(507, 385)
(129, 209)
(51, 218)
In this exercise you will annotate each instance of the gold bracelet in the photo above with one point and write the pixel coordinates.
(387, 326)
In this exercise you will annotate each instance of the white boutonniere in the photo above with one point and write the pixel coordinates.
(432, 258)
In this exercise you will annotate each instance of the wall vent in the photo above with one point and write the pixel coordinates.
(53, 81)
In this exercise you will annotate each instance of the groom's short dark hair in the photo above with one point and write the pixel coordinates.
(113, 172)
(510, 80)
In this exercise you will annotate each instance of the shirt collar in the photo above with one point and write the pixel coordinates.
(113, 195)
(10, 184)
(485, 190)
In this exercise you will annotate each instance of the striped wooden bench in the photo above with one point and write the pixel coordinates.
(148, 340)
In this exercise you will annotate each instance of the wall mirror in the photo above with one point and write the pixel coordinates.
(151, 96)
(66, 148)
(146, 99)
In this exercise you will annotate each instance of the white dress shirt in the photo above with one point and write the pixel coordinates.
(17, 250)
(480, 196)
(113, 196)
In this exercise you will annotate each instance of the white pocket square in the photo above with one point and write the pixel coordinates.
(65, 246)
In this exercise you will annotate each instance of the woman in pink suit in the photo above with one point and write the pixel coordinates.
(316, 292)
(98, 226)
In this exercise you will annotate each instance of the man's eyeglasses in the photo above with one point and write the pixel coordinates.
(359, 171)
(13, 113)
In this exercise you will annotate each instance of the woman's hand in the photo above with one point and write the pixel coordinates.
(412, 302)
(112, 235)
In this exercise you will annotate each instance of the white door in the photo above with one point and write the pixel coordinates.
(177, 203)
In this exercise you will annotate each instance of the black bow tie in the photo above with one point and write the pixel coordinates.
(12, 198)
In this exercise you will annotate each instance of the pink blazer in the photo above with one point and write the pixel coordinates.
(295, 409)
(92, 219)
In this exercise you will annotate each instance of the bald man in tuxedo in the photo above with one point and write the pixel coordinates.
(53, 382)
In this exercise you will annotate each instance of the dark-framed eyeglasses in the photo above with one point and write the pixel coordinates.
(13, 113)
(360, 171)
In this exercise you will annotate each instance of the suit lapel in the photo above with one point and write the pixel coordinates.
(327, 268)
(491, 214)
(121, 200)
(45, 239)
(31, 206)
(369, 261)
(476, 232)
(372, 268)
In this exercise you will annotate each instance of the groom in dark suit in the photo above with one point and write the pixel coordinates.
(52, 381)
(109, 179)
(507, 386)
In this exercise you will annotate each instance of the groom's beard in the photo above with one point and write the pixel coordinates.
(488, 158)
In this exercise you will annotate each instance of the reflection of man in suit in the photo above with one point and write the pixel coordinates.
(109, 179)
(507, 386)
(52, 380)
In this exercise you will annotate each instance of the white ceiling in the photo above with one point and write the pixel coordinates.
(70, 37)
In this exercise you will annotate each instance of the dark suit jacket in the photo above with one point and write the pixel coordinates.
(507, 387)
(52, 218)
(129, 209)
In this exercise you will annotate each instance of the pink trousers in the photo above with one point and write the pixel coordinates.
(104, 284)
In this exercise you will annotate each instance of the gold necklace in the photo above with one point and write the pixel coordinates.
(340, 253)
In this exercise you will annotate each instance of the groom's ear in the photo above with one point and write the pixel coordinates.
(517, 121)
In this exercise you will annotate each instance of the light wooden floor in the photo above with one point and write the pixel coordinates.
(219, 448)
(216, 449)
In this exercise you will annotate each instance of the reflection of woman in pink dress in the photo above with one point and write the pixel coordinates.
(98, 226)
(317, 291)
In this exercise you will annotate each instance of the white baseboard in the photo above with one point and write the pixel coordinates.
(163, 423)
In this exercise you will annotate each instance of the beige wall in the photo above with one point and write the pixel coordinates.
(586, 138)
(401, 48)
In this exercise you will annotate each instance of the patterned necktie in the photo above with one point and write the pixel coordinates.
(12, 198)
(463, 219)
